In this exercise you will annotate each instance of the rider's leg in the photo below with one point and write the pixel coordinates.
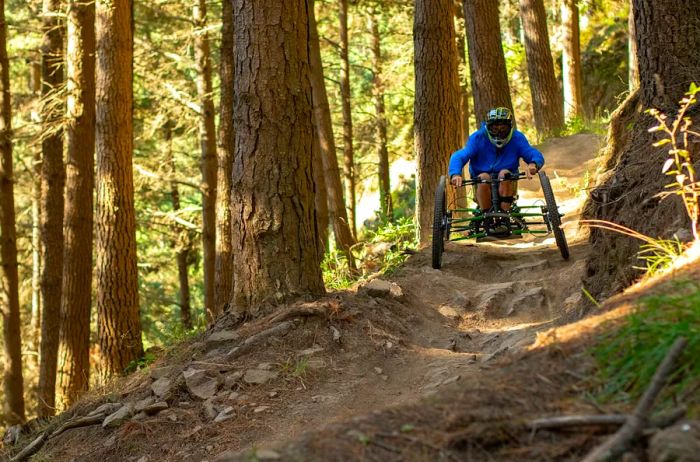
(506, 189)
(483, 192)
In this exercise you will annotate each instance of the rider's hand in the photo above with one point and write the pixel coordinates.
(531, 170)
(456, 180)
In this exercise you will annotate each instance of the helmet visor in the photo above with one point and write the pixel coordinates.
(499, 129)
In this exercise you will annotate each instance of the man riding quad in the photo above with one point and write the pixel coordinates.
(496, 148)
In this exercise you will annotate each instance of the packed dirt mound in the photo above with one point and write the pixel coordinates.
(628, 194)
(424, 336)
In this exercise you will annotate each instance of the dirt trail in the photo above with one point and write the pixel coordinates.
(488, 299)
(447, 325)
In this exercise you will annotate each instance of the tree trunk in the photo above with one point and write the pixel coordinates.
(320, 196)
(35, 321)
(274, 232)
(207, 137)
(52, 199)
(547, 102)
(571, 60)
(223, 274)
(463, 69)
(437, 116)
(13, 407)
(487, 65)
(668, 64)
(633, 67)
(74, 357)
(182, 243)
(118, 326)
(324, 128)
(385, 206)
(345, 97)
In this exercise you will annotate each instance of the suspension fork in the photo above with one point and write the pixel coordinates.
(495, 197)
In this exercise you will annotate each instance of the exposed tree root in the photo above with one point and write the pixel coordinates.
(635, 423)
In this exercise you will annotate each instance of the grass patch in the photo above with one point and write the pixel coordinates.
(629, 356)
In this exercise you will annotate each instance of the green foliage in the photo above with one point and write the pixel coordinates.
(337, 274)
(401, 234)
(580, 186)
(403, 198)
(597, 125)
(629, 356)
(660, 255)
(142, 362)
(604, 58)
(295, 368)
(382, 250)
(680, 163)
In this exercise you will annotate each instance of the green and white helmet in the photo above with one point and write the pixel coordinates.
(499, 126)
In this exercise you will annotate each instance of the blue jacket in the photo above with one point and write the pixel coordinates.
(484, 157)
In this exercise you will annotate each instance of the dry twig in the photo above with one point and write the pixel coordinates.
(635, 423)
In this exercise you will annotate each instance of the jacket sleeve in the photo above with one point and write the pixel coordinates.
(528, 153)
(460, 158)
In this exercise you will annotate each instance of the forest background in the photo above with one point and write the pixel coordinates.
(168, 102)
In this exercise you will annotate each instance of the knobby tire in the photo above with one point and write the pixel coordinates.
(438, 219)
(553, 214)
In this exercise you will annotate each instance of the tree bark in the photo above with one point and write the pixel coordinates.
(35, 321)
(487, 64)
(52, 200)
(346, 97)
(182, 244)
(207, 137)
(633, 72)
(13, 407)
(385, 205)
(274, 231)
(320, 196)
(547, 102)
(437, 114)
(74, 360)
(571, 60)
(465, 94)
(324, 127)
(223, 274)
(119, 326)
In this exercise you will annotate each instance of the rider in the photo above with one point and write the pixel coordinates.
(495, 148)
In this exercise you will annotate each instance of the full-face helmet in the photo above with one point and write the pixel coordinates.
(499, 126)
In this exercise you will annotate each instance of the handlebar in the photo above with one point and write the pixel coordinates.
(494, 178)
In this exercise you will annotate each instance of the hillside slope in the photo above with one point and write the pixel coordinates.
(440, 336)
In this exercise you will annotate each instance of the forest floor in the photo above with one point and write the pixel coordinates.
(434, 365)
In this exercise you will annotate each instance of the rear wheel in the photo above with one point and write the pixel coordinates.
(553, 216)
(439, 223)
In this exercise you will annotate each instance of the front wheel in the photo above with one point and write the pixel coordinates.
(553, 216)
(439, 223)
